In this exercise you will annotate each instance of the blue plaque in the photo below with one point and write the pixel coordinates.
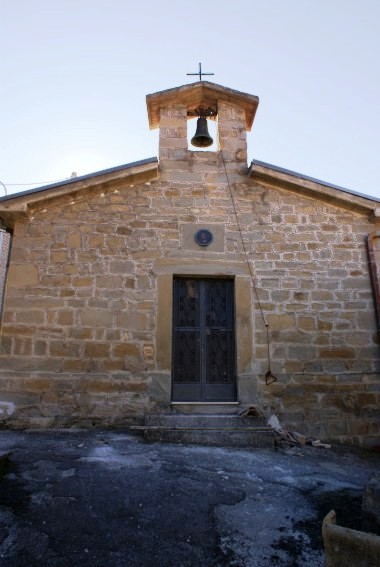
(203, 237)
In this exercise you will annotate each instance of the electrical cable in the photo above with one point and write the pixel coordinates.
(269, 376)
(36, 183)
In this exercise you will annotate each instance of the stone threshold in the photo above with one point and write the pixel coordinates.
(190, 428)
(204, 403)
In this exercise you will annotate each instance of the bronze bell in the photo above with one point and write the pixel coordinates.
(202, 138)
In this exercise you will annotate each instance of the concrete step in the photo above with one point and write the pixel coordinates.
(198, 408)
(209, 430)
(193, 420)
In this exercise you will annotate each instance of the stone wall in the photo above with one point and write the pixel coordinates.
(312, 271)
(83, 334)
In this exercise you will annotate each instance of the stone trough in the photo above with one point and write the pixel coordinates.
(344, 546)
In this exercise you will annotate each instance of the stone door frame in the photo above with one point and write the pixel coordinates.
(166, 270)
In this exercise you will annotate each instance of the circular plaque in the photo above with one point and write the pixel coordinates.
(203, 237)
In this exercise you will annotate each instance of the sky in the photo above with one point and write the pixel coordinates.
(74, 75)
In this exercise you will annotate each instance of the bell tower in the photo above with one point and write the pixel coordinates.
(232, 110)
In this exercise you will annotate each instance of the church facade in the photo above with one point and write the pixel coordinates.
(193, 282)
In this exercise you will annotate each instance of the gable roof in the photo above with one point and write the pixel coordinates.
(109, 173)
(15, 206)
(311, 187)
(201, 93)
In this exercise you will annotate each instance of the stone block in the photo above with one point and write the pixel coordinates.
(74, 240)
(59, 256)
(293, 366)
(324, 325)
(133, 321)
(75, 365)
(321, 339)
(114, 242)
(82, 281)
(80, 333)
(18, 399)
(39, 302)
(63, 348)
(37, 385)
(170, 123)
(134, 386)
(111, 364)
(338, 427)
(294, 338)
(55, 281)
(33, 317)
(279, 296)
(358, 428)
(109, 282)
(65, 317)
(173, 143)
(368, 399)
(22, 346)
(134, 364)
(122, 267)
(96, 349)
(22, 275)
(66, 293)
(5, 345)
(113, 335)
(126, 349)
(356, 283)
(63, 384)
(302, 352)
(49, 397)
(96, 318)
(338, 352)
(98, 386)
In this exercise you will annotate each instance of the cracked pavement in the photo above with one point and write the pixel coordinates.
(106, 498)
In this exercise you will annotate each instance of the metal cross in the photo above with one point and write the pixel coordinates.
(200, 73)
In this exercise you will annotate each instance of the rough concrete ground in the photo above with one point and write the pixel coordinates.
(105, 498)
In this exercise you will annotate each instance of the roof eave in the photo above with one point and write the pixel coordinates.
(310, 187)
(200, 93)
(15, 207)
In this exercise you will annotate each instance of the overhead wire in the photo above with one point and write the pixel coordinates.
(35, 182)
(269, 376)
